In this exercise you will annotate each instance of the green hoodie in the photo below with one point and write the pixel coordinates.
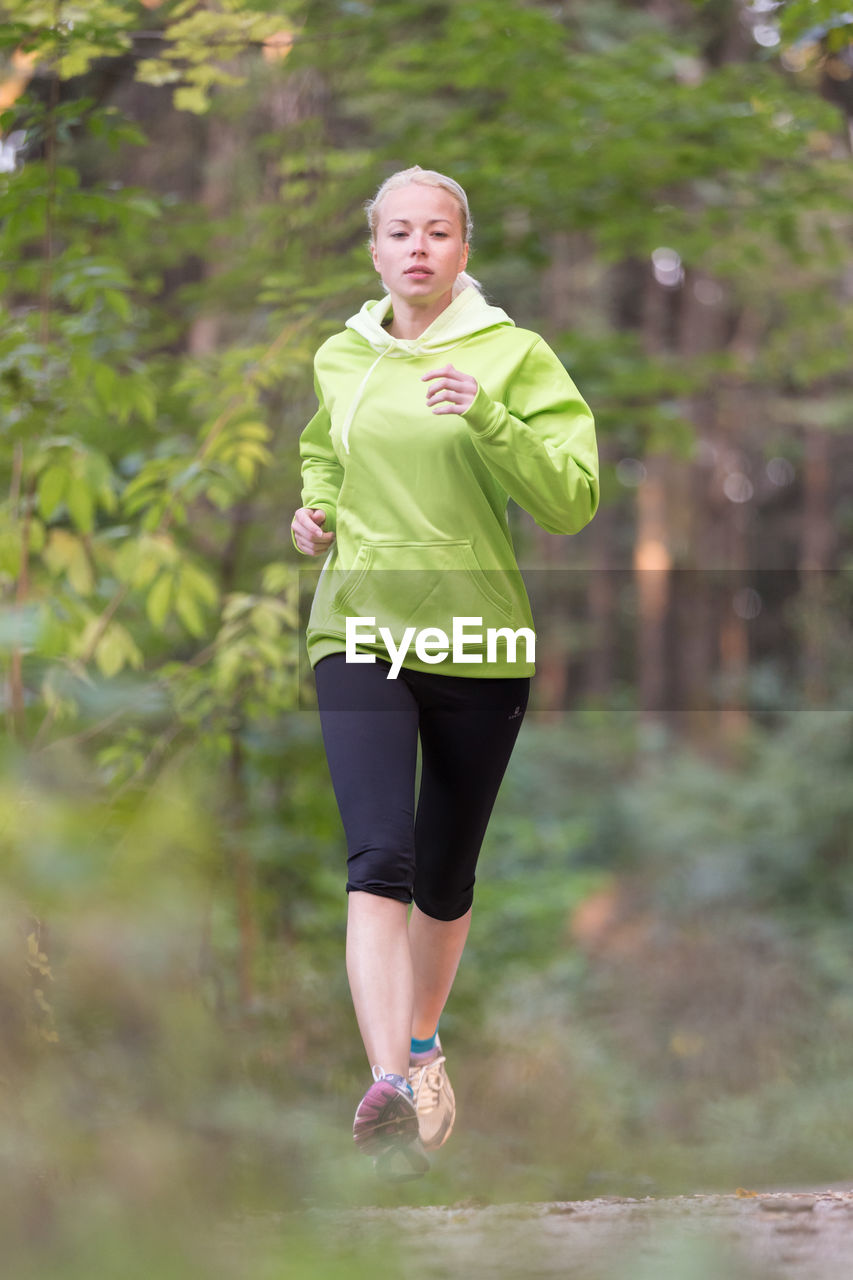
(418, 500)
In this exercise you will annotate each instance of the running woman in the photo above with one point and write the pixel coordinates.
(434, 408)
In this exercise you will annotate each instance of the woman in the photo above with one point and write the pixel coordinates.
(433, 409)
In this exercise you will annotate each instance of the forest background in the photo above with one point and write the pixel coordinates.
(658, 993)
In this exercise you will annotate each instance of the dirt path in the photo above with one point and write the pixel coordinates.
(747, 1236)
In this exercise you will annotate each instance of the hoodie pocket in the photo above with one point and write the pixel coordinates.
(351, 579)
(423, 584)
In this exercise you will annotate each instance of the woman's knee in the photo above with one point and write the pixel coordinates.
(387, 871)
(444, 903)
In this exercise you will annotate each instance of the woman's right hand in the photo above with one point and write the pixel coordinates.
(307, 534)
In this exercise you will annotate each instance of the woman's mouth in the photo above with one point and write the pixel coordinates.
(418, 271)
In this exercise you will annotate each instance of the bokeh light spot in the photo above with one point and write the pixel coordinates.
(630, 472)
(737, 487)
(666, 264)
(780, 472)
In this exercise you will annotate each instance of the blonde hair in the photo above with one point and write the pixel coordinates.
(416, 176)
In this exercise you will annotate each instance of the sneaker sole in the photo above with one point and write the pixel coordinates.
(384, 1119)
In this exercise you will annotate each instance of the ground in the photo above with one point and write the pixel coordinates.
(802, 1235)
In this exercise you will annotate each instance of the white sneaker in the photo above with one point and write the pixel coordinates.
(434, 1099)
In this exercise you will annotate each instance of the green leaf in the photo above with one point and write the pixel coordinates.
(146, 568)
(159, 601)
(105, 379)
(119, 304)
(200, 584)
(66, 554)
(265, 622)
(109, 655)
(37, 535)
(189, 613)
(10, 552)
(52, 486)
(115, 650)
(156, 71)
(80, 573)
(228, 668)
(278, 577)
(191, 98)
(221, 495)
(236, 605)
(255, 431)
(81, 504)
(107, 499)
(144, 401)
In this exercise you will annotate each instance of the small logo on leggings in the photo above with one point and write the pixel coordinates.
(515, 714)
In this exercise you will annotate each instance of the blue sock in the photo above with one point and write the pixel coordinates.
(424, 1046)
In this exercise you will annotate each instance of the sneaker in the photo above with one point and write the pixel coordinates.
(386, 1127)
(434, 1100)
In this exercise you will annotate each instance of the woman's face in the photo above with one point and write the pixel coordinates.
(418, 248)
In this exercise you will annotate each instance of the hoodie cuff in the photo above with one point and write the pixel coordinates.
(483, 416)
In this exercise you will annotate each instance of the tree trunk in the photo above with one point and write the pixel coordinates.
(602, 607)
(816, 550)
(652, 564)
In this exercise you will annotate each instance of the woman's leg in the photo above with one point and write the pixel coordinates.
(436, 947)
(370, 728)
(379, 968)
(468, 729)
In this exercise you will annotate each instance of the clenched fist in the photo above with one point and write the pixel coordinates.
(307, 533)
(450, 390)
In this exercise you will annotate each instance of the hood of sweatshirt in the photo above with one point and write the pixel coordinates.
(467, 314)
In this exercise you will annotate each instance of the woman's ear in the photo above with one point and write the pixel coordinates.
(464, 257)
(373, 256)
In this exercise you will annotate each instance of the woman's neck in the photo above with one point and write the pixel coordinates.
(409, 321)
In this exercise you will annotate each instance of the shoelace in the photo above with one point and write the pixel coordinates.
(399, 1082)
(429, 1077)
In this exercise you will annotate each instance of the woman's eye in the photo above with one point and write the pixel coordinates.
(441, 235)
(397, 235)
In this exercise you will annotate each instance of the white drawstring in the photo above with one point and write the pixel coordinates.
(400, 347)
(356, 400)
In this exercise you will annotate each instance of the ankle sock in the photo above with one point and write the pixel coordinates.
(420, 1048)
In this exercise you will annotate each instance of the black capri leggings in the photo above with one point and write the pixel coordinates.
(467, 728)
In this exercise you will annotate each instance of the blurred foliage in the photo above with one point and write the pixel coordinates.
(639, 956)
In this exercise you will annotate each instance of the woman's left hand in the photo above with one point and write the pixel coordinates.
(450, 391)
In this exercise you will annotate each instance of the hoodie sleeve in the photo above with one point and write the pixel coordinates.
(540, 445)
(322, 474)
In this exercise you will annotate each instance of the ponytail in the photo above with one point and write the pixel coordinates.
(463, 280)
